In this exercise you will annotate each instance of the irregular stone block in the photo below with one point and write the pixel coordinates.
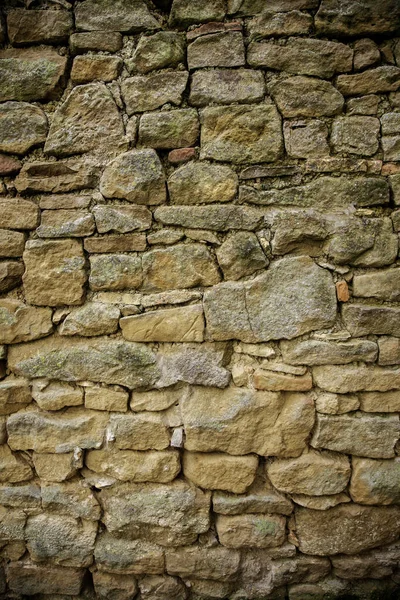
(57, 432)
(241, 134)
(129, 242)
(260, 498)
(225, 49)
(121, 218)
(72, 498)
(104, 398)
(240, 255)
(163, 49)
(391, 147)
(321, 352)
(184, 324)
(17, 213)
(10, 275)
(91, 319)
(21, 323)
(86, 121)
(56, 467)
(217, 471)
(161, 587)
(380, 401)
(128, 16)
(363, 319)
(22, 126)
(275, 24)
(14, 395)
(358, 433)
(115, 272)
(345, 18)
(302, 57)
(389, 350)
(374, 81)
(170, 515)
(9, 165)
(31, 74)
(199, 182)
(126, 465)
(384, 285)
(184, 13)
(156, 400)
(313, 473)
(251, 531)
(54, 272)
(244, 421)
(122, 556)
(268, 380)
(100, 360)
(375, 481)
(142, 93)
(215, 563)
(346, 529)
(225, 86)
(12, 243)
(245, 8)
(215, 217)
(170, 129)
(182, 266)
(55, 177)
(13, 467)
(65, 223)
(29, 578)
(356, 135)
(306, 139)
(307, 97)
(117, 587)
(103, 41)
(140, 431)
(136, 176)
(27, 27)
(266, 308)
(101, 68)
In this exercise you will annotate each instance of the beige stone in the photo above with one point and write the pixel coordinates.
(22, 323)
(216, 217)
(12, 243)
(215, 563)
(261, 497)
(375, 481)
(156, 400)
(121, 556)
(162, 587)
(117, 587)
(313, 473)
(127, 465)
(302, 96)
(184, 324)
(384, 285)
(320, 502)
(14, 395)
(115, 272)
(320, 352)
(380, 401)
(149, 92)
(29, 578)
(17, 213)
(91, 319)
(240, 255)
(65, 223)
(226, 86)
(89, 68)
(13, 467)
(106, 398)
(389, 351)
(54, 272)
(220, 49)
(10, 275)
(243, 421)
(198, 182)
(37, 27)
(374, 81)
(251, 531)
(129, 242)
(268, 380)
(336, 404)
(56, 467)
(54, 177)
(217, 471)
(121, 218)
(342, 379)
(54, 395)
(22, 126)
(72, 498)
(140, 431)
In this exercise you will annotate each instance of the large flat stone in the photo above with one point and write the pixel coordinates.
(27, 27)
(215, 563)
(93, 318)
(225, 86)
(346, 18)
(21, 323)
(22, 126)
(241, 134)
(218, 471)
(364, 319)
(246, 8)
(343, 379)
(169, 129)
(128, 16)
(115, 272)
(157, 51)
(148, 92)
(17, 213)
(122, 556)
(130, 465)
(251, 531)
(244, 421)
(292, 297)
(374, 81)
(325, 352)
(184, 324)
(55, 177)
(224, 49)
(384, 285)
(375, 481)
(65, 224)
(302, 96)
(29, 578)
(139, 431)
(217, 217)
(204, 183)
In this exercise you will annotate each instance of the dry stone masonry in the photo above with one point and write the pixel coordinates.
(199, 299)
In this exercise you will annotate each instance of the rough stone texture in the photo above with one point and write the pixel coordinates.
(163, 49)
(216, 217)
(240, 255)
(202, 182)
(307, 97)
(343, 379)
(22, 126)
(55, 177)
(383, 285)
(254, 531)
(184, 13)
(10, 275)
(105, 41)
(169, 129)
(127, 465)
(224, 49)
(17, 213)
(103, 68)
(172, 325)
(320, 352)
(149, 92)
(362, 319)
(21, 323)
(355, 135)
(344, 18)
(373, 81)
(65, 223)
(30, 578)
(37, 27)
(217, 471)
(225, 86)
(306, 139)
(128, 16)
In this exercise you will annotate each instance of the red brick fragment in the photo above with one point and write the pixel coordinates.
(342, 291)
(9, 165)
(181, 155)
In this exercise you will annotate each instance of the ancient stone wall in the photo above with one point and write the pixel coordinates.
(200, 299)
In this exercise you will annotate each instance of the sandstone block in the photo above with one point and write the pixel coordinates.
(366, 54)
(244, 421)
(269, 380)
(302, 96)
(245, 8)
(136, 176)
(65, 223)
(199, 182)
(115, 272)
(321, 352)
(348, 19)
(14, 395)
(22, 126)
(215, 563)
(184, 324)
(260, 498)
(55, 177)
(104, 398)
(91, 319)
(27, 27)
(274, 24)
(122, 556)
(156, 400)
(157, 51)
(9, 165)
(241, 134)
(54, 272)
(217, 471)
(121, 218)
(127, 465)
(358, 433)
(92, 15)
(306, 139)
(17, 213)
(363, 319)
(384, 285)
(140, 431)
(344, 379)
(117, 587)
(225, 49)
(168, 514)
(215, 217)
(365, 105)
(374, 81)
(184, 13)
(128, 242)
(10, 275)
(240, 255)
(103, 41)
(13, 467)
(356, 135)
(22, 323)
(225, 86)
(12, 244)
(251, 531)
(71, 498)
(162, 587)
(29, 578)
(389, 351)
(142, 93)
(90, 68)
(375, 481)
(170, 129)
(55, 467)
(336, 404)
(380, 401)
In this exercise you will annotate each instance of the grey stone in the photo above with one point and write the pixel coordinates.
(70, 498)
(345, 18)
(53, 177)
(306, 139)
(21, 323)
(356, 135)
(142, 93)
(274, 24)
(163, 49)
(363, 319)
(320, 352)
(11, 273)
(128, 16)
(121, 556)
(65, 223)
(366, 54)
(22, 126)
(365, 105)
(374, 81)
(226, 86)
(391, 147)
(121, 218)
(302, 96)
(103, 41)
(170, 129)
(375, 481)
(240, 255)
(215, 217)
(161, 587)
(115, 272)
(91, 319)
(260, 498)
(26, 27)
(384, 285)
(184, 13)
(199, 182)
(225, 49)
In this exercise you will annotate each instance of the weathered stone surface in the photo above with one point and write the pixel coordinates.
(266, 308)
(170, 515)
(225, 49)
(10, 275)
(100, 360)
(116, 587)
(199, 182)
(57, 432)
(182, 266)
(92, 319)
(344, 18)
(366, 54)
(264, 379)
(140, 431)
(21, 323)
(72, 498)
(156, 400)
(306, 139)
(121, 218)
(274, 24)
(241, 134)
(14, 395)
(13, 467)
(17, 213)
(216, 563)
(172, 325)
(244, 421)
(105, 398)
(136, 176)
(128, 242)
(63, 176)
(65, 223)
(88, 120)
(56, 467)
(389, 350)
(384, 285)
(346, 529)
(244, 8)
(363, 319)
(22, 126)
(9, 165)
(161, 588)
(54, 272)
(260, 498)
(321, 352)
(163, 49)
(170, 129)
(320, 502)
(149, 92)
(225, 86)
(184, 13)
(126, 465)
(240, 255)
(115, 272)
(365, 105)
(375, 481)
(313, 473)
(27, 27)
(380, 401)
(307, 97)
(358, 433)
(344, 379)
(254, 531)
(302, 57)
(61, 540)
(103, 41)
(29, 578)
(356, 135)
(31, 74)
(128, 16)
(122, 556)
(215, 217)
(64, 202)
(89, 68)
(217, 471)
(55, 395)
(374, 81)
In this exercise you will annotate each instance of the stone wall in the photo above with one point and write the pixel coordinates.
(200, 299)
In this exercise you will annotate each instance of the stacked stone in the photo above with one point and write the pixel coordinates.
(200, 299)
